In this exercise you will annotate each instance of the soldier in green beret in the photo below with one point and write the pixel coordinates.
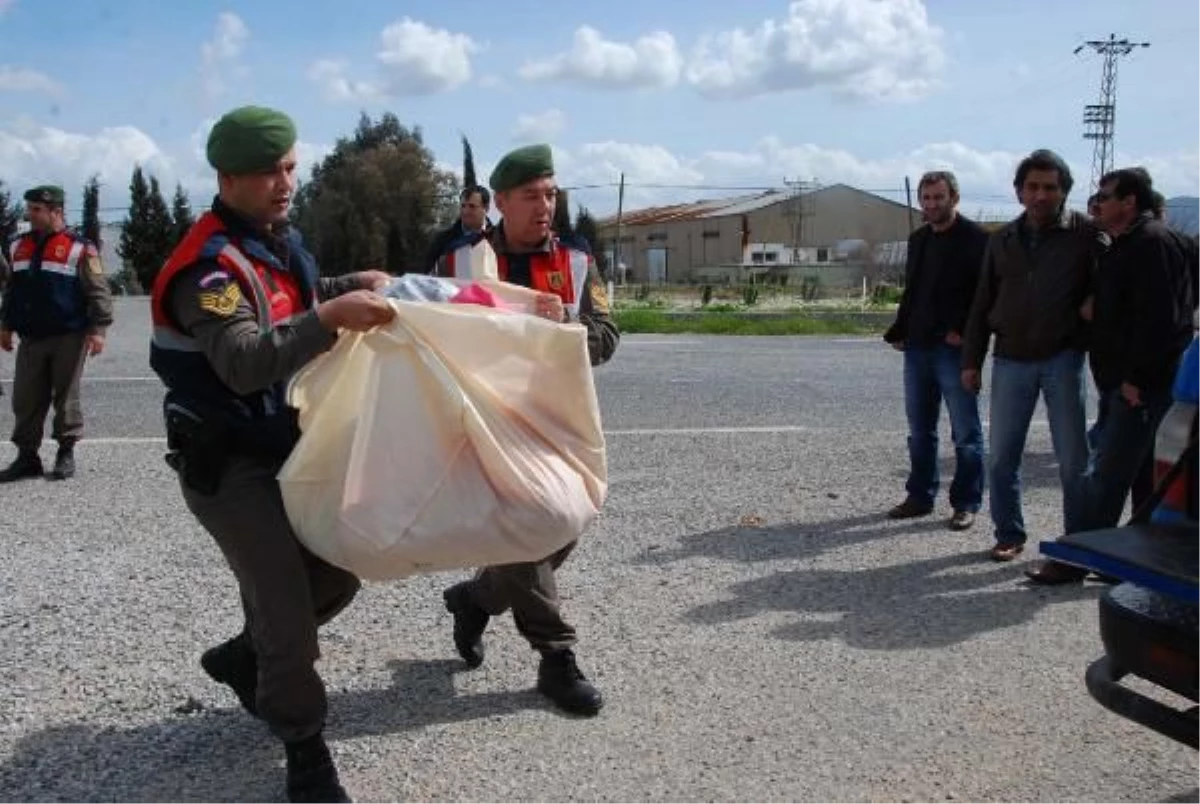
(236, 314)
(529, 253)
(58, 305)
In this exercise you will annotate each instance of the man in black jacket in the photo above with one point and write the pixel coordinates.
(1141, 324)
(941, 272)
(1034, 279)
(471, 227)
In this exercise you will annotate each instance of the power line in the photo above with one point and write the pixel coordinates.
(1100, 119)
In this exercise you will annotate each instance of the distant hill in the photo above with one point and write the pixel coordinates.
(1183, 213)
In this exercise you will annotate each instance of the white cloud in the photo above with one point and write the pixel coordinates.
(37, 154)
(862, 49)
(23, 79)
(330, 76)
(420, 60)
(219, 55)
(985, 176)
(651, 61)
(414, 59)
(539, 127)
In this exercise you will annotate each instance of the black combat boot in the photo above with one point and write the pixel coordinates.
(311, 775)
(560, 680)
(233, 663)
(64, 462)
(469, 623)
(27, 464)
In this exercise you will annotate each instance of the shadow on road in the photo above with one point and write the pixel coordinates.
(929, 602)
(1038, 470)
(225, 755)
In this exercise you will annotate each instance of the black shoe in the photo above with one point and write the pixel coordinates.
(27, 464)
(64, 464)
(469, 623)
(311, 775)
(560, 680)
(234, 664)
(909, 509)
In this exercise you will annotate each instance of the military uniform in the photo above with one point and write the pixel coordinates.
(529, 589)
(56, 297)
(234, 313)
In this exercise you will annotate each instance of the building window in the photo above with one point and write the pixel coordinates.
(656, 236)
(771, 256)
(822, 255)
(712, 234)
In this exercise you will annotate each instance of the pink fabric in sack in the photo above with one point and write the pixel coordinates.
(475, 294)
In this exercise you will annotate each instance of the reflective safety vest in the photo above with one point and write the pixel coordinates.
(561, 270)
(275, 291)
(455, 261)
(45, 297)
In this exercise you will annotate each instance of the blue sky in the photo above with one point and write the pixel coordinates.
(709, 94)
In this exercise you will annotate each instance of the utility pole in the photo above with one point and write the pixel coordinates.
(617, 272)
(800, 200)
(1099, 119)
(908, 195)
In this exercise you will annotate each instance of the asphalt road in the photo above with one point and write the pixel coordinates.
(818, 652)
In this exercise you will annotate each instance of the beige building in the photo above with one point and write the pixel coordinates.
(773, 231)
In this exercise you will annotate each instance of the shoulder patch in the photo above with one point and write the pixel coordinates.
(215, 279)
(599, 296)
(221, 303)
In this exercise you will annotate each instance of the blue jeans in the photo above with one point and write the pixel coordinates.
(931, 375)
(1126, 440)
(1016, 385)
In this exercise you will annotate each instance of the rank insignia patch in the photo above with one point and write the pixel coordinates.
(223, 303)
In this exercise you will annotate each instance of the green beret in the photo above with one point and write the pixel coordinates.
(46, 194)
(250, 139)
(522, 165)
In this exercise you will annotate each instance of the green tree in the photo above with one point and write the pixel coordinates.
(89, 225)
(375, 201)
(146, 231)
(181, 215)
(586, 228)
(11, 213)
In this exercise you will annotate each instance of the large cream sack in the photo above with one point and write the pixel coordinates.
(457, 436)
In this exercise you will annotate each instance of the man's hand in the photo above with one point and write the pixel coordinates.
(897, 345)
(1131, 394)
(1086, 309)
(373, 280)
(550, 307)
(953, 339)
(6, 340)
(971, 380)
(94, 344)
(358, 311)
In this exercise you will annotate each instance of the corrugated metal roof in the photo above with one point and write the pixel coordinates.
(710, 208)
(721, 207)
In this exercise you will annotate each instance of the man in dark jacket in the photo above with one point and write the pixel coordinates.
(1141, 324)
(1035, 277)
(471, 227)
(941, 272)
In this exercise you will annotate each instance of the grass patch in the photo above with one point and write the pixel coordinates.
(655, 321)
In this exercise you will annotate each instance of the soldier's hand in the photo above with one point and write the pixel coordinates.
(6, 340)
(358, 311)
(94, 344)
(1087, 308)
(550, 306)
(898, 345)
(971, 380)
(373, 280)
